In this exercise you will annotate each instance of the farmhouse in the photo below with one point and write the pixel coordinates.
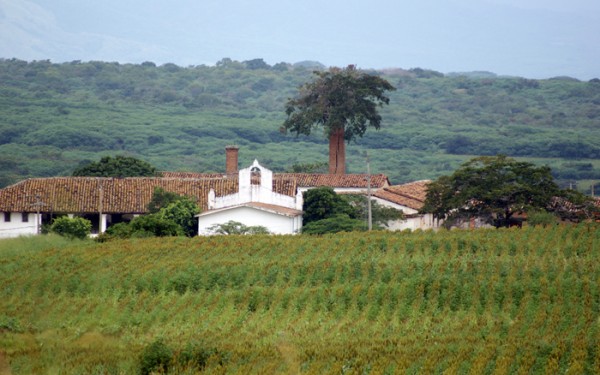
(253, 196)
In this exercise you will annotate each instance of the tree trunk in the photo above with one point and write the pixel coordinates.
(337, 152)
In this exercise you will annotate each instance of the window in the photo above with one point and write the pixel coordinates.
(24, 217)
(7, 217)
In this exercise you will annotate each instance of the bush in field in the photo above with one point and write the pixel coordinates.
(76, 227)
(334, 224)
(156, 357)
(541, 218)
(154, 225)
(197, 355)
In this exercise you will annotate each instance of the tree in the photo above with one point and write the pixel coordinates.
(161, 198)
(327, 212)
(318, 167)
(119, 166)
(492, 188)
(154, 225)
(323, 202)
(235, 227)
(183, 212)
(380, 215)
(344, 102)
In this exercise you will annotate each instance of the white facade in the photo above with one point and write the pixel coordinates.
(412, 218)
(275, 222)
(254, 205)
(262, 193)
(15, 224)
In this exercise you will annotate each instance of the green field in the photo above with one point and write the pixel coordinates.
(479, 302)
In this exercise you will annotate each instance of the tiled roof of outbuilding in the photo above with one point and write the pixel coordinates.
(411, 195)
(113, 195)
(308, 179)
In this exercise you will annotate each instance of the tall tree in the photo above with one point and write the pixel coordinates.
(119, 166)
(344, 102)
(491, 188)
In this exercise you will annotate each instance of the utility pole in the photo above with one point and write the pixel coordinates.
(370, 214)
(38, 204)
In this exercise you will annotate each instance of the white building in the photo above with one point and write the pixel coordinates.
(254, 204)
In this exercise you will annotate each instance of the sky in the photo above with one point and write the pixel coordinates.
(527, 38)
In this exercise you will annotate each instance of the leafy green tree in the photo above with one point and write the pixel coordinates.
(380, 215)
(161, 198)
(344, 102)
(492, 188)
(154, 225)
(438, 199)
(235, 227)
(322, 203)
(76, 227)
(318, 167)
(119, 166)
(183, 212)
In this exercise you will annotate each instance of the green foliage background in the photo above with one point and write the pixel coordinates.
(56, 117)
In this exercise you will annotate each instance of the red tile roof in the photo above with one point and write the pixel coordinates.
(308, 179)
(112, 195)
(411, 195)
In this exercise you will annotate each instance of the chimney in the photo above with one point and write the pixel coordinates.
(231, 160)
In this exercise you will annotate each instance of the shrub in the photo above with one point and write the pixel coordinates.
(541, 218)
(196, 355)
(76, 227)
(154, 225)
(334, 224)
(235, 227)
(156, 357)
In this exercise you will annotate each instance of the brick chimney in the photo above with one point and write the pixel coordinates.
(231, 160)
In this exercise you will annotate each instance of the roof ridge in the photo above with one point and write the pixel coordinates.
(403, 194)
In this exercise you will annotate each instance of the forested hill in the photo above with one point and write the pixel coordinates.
(53, 117)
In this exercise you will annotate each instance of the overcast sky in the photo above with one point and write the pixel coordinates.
(529, 38)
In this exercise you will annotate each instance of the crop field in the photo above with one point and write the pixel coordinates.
(457, 302)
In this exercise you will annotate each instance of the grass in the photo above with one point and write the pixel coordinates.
(480, 302)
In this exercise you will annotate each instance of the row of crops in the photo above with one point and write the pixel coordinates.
(480, 302)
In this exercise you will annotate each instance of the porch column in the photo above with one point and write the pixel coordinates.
(103, 220)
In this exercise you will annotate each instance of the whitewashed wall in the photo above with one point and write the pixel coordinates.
(276, 224)
(16, 227)
(413, 220)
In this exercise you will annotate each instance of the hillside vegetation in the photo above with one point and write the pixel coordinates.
(469, 302)
(54, 117)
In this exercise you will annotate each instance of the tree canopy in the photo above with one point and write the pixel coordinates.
(119, 166)
(491, 187)
(344, 102)
(327, 212)
(338, 98)
(322, 203)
